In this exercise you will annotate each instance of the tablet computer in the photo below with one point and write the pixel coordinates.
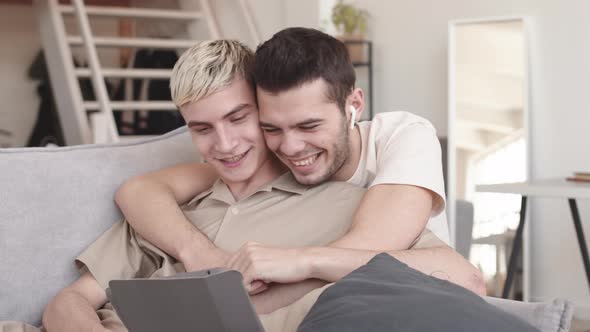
(209, 300)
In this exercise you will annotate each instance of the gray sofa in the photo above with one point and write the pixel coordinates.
(56, 201)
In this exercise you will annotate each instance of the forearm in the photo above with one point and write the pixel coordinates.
(331, 264)
(281, 295)
(389, 217)
(69, 311)
(161, 221)
(443, 263)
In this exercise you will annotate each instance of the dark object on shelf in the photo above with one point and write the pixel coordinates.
(47, 126)
(153, 122)
(368, 63)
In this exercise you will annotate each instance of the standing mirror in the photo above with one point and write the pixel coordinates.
(488, 138)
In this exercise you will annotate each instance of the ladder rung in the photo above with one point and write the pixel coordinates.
(135, 12)
(134, 105)
(135, 42)
(128, 73)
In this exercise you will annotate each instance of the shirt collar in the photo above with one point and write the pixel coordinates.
(220, 191)
(286, 182)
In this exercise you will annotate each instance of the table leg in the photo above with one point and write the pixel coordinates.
(515, 249)
(580, 234)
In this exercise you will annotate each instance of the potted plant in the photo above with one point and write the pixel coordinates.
(351, 24)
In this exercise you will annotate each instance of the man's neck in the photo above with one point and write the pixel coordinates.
(351, 164)
(269, 171)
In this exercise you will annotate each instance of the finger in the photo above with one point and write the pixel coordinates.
(255, 284)
(263, 287)
(250, 275)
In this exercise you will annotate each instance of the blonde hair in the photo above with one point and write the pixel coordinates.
(208, 67)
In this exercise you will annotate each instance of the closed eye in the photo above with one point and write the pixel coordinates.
(309, 127)
(201, 130)
(239, 119)
(270, 130)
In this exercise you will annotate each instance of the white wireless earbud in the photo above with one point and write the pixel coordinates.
(352, 116)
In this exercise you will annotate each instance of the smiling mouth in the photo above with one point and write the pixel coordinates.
(234, 159)
(305, 161)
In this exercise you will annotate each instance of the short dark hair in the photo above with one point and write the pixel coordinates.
(295, 56)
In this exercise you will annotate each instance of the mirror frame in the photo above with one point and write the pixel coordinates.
(451, 113)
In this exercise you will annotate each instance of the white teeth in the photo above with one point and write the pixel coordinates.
(306, 161)
(234, 158)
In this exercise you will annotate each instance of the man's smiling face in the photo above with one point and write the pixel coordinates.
(306, 131)
(225, 130)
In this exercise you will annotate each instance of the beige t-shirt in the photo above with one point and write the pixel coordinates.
(402, 148)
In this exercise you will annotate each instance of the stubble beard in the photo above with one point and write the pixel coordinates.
(341, 152)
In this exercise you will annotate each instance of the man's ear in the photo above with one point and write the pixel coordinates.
(356, 100)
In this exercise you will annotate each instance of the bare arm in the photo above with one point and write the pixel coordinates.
(74, 308)
(389, 217)
(331, 264)
(300, 270)
(151, 202)
(281, 295)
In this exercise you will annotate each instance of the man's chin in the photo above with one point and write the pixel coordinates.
(309, 179)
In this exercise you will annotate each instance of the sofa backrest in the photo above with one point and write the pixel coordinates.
(54, 202)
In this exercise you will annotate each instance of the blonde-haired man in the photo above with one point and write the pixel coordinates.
(255, 200)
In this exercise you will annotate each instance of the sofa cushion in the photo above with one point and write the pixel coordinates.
(56, 201)
(554, 316)
(387, 295)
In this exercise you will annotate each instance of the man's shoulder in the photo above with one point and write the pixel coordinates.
(336, 188)
(393, 121)
(335, 196)
(388, 126)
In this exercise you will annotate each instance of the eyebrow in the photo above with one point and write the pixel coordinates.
(227, 115)
(302, 123)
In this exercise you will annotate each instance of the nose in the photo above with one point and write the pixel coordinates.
(291, 144)
(226, 141)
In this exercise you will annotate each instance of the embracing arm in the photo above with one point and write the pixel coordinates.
(389, 217)
(74, 307)
(332, 264)
(300, 270)
(151, 204)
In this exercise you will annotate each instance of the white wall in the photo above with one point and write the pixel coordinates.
(410, 39)
(269, 16)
